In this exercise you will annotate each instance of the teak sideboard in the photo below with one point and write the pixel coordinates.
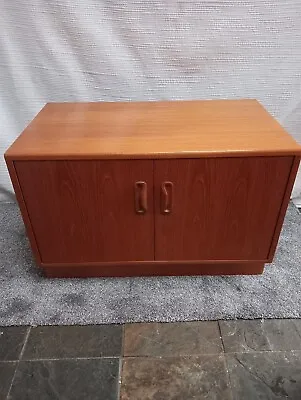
(153, 188)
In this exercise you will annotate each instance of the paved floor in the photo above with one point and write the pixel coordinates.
(196, 360)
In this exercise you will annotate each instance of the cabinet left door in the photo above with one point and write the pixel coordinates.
(85, 211)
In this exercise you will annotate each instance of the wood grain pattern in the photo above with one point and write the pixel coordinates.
(223, 208)
(285, 201)
(152, 268)
(168, 129)
(84, 211)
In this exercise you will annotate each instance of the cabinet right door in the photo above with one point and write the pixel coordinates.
(218, 208)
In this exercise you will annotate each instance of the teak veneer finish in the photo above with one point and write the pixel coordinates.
(87, 207)
(167, 129)
(153, 188)
(243, 193)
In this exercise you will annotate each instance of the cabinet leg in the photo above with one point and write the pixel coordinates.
(254, 268)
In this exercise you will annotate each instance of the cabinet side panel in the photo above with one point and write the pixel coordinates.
(24, 212)
(282, 212)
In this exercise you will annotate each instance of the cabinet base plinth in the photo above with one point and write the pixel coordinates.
(151, 269)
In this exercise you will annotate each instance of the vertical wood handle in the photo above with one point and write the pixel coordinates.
(166, 197)
(140, 197)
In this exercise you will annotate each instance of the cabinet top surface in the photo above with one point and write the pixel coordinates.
(163, 129)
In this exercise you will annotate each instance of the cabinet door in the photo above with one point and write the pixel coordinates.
(85, 211)
(220, 208)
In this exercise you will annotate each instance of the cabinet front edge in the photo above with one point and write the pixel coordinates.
(152, 156)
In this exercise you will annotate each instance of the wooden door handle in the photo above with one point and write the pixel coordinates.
(166, 197)
(140, 197)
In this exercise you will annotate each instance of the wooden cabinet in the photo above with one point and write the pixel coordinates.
(159, 188)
